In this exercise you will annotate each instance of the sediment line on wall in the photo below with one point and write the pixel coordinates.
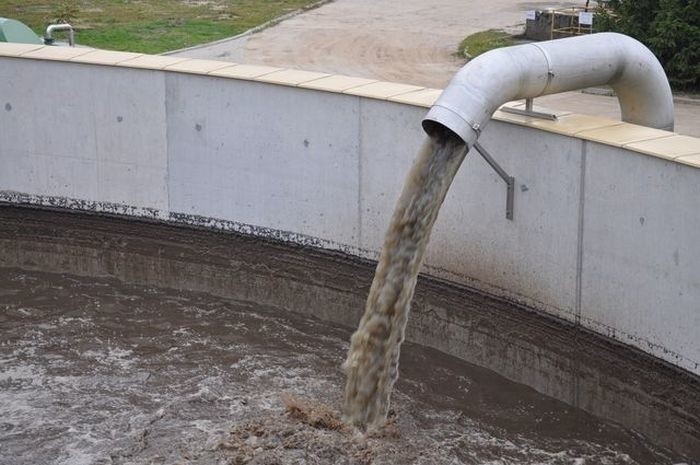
(152, 214)
(65, 203)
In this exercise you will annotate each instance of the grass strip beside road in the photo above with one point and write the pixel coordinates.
(153, 26)
(476, 44)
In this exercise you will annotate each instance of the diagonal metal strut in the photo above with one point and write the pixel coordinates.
(509, 180)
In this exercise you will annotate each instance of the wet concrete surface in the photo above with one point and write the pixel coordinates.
(125, 342)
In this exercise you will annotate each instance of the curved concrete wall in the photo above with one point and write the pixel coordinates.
(605, 228)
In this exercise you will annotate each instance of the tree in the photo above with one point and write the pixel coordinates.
(670, 28)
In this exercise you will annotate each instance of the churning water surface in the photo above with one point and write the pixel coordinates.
(132, 343)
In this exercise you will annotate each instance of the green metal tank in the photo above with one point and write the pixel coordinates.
(15, 31)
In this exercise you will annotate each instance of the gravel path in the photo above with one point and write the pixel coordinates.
(408, 41)
(394, 40)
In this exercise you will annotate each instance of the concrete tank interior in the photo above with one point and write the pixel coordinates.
(179, 203)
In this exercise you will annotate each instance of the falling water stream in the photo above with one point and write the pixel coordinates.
(373, 359)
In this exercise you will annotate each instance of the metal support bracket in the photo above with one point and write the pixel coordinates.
(510, 180)
(528, 111)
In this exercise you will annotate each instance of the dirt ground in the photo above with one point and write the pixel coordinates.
(393, 40)
(411, 41)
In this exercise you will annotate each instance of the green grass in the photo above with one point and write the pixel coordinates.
(481, 42)
(146, 26)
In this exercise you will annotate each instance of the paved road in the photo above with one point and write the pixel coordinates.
(410, 41)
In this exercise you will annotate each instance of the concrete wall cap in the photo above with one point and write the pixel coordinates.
(292, 77)
(104, 57)
(196, 66)
(15, 50)
(421, 98)
(246, 72)
(691, 160)
(57, 53)
(382, 90)
(152, 62)
(336, 83)
(653, 142)
(671, 147)
(622, 134)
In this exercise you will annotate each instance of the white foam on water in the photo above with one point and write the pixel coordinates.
(28, 372)
(23, 311)
(111, 356)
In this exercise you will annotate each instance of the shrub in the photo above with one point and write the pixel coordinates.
(670, 28)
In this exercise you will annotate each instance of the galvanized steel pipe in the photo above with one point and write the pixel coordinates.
(532, 70)
(61, 27)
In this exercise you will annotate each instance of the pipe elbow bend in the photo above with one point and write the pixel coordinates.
(532, 70)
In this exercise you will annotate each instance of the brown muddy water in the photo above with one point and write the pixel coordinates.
(126, 342)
